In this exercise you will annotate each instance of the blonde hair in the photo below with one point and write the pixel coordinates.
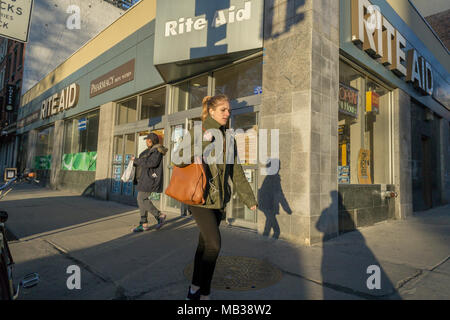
(211, 102)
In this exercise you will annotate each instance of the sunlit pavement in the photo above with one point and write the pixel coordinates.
(57, 229)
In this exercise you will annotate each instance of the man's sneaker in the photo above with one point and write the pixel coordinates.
(193, 296)
(161, 220)
(139, 228)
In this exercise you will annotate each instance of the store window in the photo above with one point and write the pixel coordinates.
(153, 104)
(189, 94)
(127, 111)
(246, 143)
(240, 80)
(124, 148)
(364, 133)
(116, 186)
(44, 149)
(22, 154)
(80, 142)
(177, 132)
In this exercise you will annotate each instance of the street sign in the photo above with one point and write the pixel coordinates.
(15, 18)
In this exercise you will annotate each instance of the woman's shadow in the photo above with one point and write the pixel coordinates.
(270, 197)
(348, 264)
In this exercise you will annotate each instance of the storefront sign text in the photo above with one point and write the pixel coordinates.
(112, 79)
(348, 100)
(66, 99)
(221, 17)
(382, 41)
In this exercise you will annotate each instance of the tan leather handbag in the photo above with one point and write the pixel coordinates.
(188, 184)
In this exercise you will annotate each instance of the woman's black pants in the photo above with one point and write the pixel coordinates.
(208, 221)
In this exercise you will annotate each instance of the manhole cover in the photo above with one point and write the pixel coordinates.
(240, 274)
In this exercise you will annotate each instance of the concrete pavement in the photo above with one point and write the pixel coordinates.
(56, 229)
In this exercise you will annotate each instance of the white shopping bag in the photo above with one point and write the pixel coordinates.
(128, 175)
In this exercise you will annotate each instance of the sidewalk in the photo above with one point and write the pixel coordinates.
(56, 229)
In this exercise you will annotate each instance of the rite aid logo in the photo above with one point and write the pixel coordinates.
(221, 17)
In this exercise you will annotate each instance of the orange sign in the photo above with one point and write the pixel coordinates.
(372, 102)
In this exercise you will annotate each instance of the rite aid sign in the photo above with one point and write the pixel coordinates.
(60, 101)
(382, 41)
(186, 30)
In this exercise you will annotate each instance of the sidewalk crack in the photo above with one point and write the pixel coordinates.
(120, 291)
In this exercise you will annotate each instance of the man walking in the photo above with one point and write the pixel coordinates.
(149, 175)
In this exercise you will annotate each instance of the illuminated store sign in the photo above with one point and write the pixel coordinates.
(66, 99)
(382, 41)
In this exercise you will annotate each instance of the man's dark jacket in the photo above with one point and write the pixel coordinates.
(149, 169)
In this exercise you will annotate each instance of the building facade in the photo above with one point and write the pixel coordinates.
(343, 107)
(11, 74)
(59, 29)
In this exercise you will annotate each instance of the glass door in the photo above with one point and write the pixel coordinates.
(245, 125)
(123, 149)
(176, 132)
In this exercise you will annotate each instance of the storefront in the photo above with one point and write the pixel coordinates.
(394, 75)
(345, 131)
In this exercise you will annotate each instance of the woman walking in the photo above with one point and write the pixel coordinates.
(215, 115)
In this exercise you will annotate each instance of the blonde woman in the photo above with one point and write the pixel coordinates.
(215, 115)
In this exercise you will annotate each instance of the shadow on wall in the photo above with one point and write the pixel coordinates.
(270, 197)
(214, 35)
(340, 270)
(272, 24)
(277, 21)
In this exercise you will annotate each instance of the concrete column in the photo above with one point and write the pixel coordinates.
(57, 151)
(104, 150)
(444, 160)
(402, 154)
(16, 150)
(31, 149)
(300, 91)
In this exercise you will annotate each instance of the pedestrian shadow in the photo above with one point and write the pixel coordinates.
(270, 197)
(354, 271)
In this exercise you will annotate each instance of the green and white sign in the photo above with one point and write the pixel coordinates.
(83, 161)
(43, 162)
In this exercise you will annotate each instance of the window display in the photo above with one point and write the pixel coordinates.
(240, 80)
(80, 143)
(364, 132)
(44, 149)
(153, 104)
(189, 94)
(126, 111)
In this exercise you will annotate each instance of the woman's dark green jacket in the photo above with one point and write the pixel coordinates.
(218, 191)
